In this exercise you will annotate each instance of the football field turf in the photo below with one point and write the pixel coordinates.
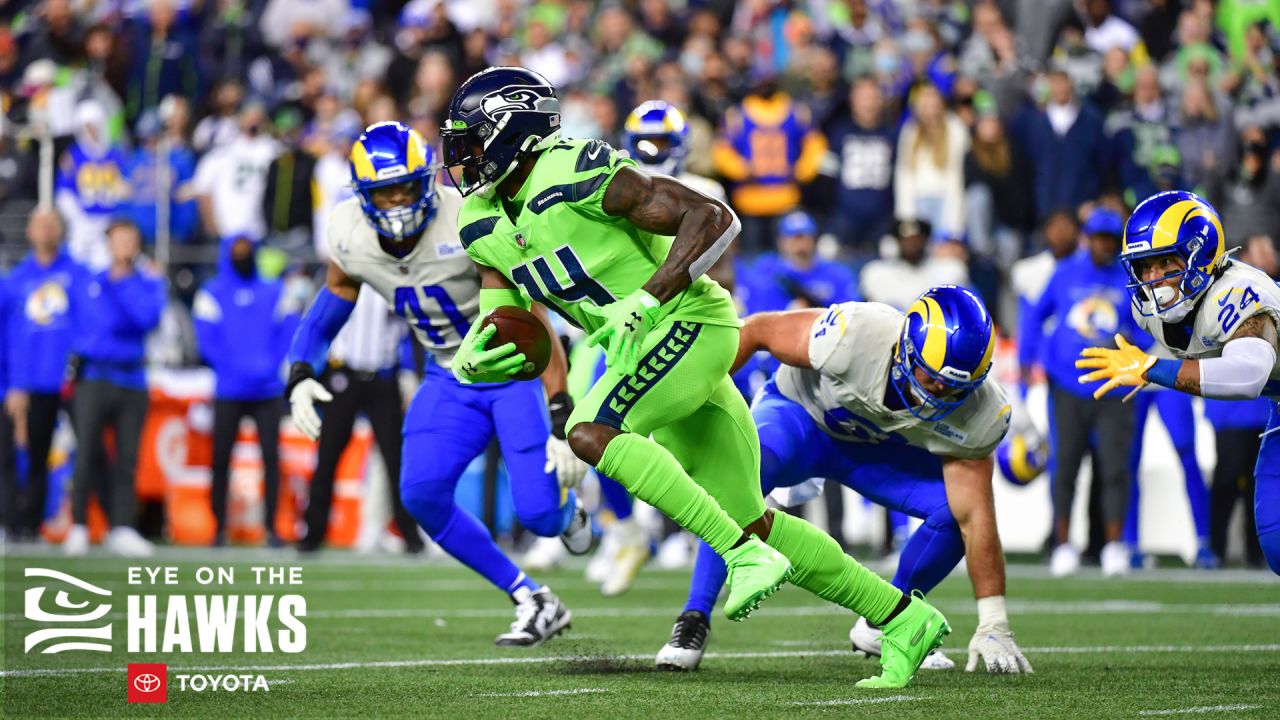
(397, 637)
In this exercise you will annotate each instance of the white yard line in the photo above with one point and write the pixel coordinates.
(1018, 607)
(858, 701)
(645, 658)
(1200, 709)
(543, 693)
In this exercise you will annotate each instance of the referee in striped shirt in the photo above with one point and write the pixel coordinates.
(363, 362)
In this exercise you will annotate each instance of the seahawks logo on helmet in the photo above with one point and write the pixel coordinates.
(518, 99)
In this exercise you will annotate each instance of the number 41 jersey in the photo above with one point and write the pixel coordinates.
(436, 287)
(850, 354)
(1240, 292)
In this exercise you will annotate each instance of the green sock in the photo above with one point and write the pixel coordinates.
(822, 568)
(652, 474)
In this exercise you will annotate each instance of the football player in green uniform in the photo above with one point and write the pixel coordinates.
(623, 254)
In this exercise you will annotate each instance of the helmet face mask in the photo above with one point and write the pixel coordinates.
(656, 136)
(947, 335)
(495, 119)
(1172, 229)
(391, 160)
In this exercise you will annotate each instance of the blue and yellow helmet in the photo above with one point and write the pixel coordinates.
(947, 333)
(1023, 456)
(657, 137)
(390, 153)
(1174, 222)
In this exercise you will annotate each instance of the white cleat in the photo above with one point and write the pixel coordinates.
(1065, 560)
(76, 542)
(582, 536)
(1115, 559)
(126, 542)
(540, 616)
(633, 552)
(866, 641)
(544, 554)
(601, 563)
(675, 552)
(688, 641)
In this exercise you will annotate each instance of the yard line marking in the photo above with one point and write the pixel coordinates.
(1200, 709)
(646, 657)
(1021, 607)
(543, 693)
(859, 701)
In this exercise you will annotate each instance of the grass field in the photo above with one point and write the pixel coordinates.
(395, 637)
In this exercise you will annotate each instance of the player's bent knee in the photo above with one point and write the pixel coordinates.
(430, 505)
(589, 439)
(942, 519)
(547, 524)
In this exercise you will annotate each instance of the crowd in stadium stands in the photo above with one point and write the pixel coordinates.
(927, 141)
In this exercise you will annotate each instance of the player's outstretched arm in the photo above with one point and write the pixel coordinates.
(310, 348)
(1247, 360)
(702, 226)
(969, 496)
(784, 335)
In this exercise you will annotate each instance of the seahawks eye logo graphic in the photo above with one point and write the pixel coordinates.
(517, 100)
(83, 614)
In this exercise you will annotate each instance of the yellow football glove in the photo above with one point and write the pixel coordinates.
(1123, 365)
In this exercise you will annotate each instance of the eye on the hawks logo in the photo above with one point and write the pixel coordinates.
(74, 620)
(148, 682)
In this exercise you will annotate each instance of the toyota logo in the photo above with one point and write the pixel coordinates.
(146, 683)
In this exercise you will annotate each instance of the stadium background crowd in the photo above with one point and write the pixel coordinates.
(928, 141)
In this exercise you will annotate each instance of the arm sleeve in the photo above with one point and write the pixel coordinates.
(1241, 372)
(206, 316)
(142, 309)
(318, 328)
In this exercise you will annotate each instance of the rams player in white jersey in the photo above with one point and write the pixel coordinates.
(399, 235)
(896, 408)
(1218, 317)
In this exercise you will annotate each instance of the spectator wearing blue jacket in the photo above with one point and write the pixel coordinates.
(243, 327)
(120, 306)
(1088, 297)
(794, 276)
(144, 172)
(1068, 148)
(865, 144)
(43, 304)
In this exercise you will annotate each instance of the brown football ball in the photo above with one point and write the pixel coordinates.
(523, 328)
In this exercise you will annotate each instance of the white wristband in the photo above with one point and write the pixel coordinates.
(992, 613)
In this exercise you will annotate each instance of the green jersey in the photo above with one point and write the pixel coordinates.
(563, 249)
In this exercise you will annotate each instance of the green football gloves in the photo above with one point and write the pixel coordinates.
(475, 363)
(626, 322)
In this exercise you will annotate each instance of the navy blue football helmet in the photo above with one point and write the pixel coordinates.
(390, 153)
(496, 118)
(948, 334)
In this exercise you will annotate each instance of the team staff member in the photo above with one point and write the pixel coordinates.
(363, 361)
(1087, 295)
(243, 326)
(43, 290)
(120, 306)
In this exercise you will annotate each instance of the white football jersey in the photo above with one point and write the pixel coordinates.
(1241, 292)
(436, 287)
(850, 354)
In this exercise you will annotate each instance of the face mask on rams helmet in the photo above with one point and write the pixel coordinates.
(390, 153)
(1180, 224)
(948, 334)
(656, 136)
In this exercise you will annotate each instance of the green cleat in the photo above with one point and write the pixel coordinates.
(908, 639)
(756, 571)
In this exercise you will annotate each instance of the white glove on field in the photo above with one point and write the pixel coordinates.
(568, 468)
(302, 406)
(993, 641)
